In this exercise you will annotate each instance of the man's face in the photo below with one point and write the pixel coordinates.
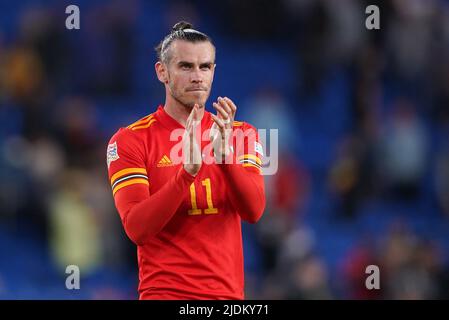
(190, 71)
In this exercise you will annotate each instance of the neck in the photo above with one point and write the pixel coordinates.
(179, 111)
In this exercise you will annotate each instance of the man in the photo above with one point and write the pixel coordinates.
(185, 216)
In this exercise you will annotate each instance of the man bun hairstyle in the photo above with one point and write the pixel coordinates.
(182, 30)
(181, 25)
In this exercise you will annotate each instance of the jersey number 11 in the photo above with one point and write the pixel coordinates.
(210, 206)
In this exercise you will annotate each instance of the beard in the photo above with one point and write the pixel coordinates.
(187, 102)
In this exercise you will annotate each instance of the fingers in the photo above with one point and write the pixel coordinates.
(191, 114)
(231, 105)
(191, 149)
(224, 105)
(193, 118)
(191, 142)
(195, 113)
(219, 122)
(213, 132)
(189, 136)
(221, 111)
(226, 109)
(188, 126)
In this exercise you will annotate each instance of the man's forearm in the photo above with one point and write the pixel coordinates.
(143, 219)
(247, 191)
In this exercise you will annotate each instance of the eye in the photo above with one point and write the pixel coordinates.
(205, 67)
(185, 67)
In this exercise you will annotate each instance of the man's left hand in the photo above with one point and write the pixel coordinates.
(221, 130)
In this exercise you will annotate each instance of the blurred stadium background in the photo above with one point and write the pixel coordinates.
(363, 119)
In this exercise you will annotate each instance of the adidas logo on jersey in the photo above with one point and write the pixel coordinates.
(165, 162)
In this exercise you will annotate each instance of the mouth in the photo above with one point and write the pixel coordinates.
(195, 90)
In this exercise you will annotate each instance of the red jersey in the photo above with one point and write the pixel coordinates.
(187, 229)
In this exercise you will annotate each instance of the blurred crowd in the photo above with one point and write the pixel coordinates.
(363, 119)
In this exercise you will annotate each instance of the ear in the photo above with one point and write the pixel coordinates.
(161, 72)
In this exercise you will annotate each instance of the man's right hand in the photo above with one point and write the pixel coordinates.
(191, 149)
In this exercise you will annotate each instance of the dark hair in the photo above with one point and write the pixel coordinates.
(180, 31)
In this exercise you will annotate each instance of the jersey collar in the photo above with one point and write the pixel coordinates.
(171, 123)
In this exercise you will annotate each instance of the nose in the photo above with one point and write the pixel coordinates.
(195, 76)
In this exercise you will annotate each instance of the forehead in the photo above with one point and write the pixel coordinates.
(195, 52)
